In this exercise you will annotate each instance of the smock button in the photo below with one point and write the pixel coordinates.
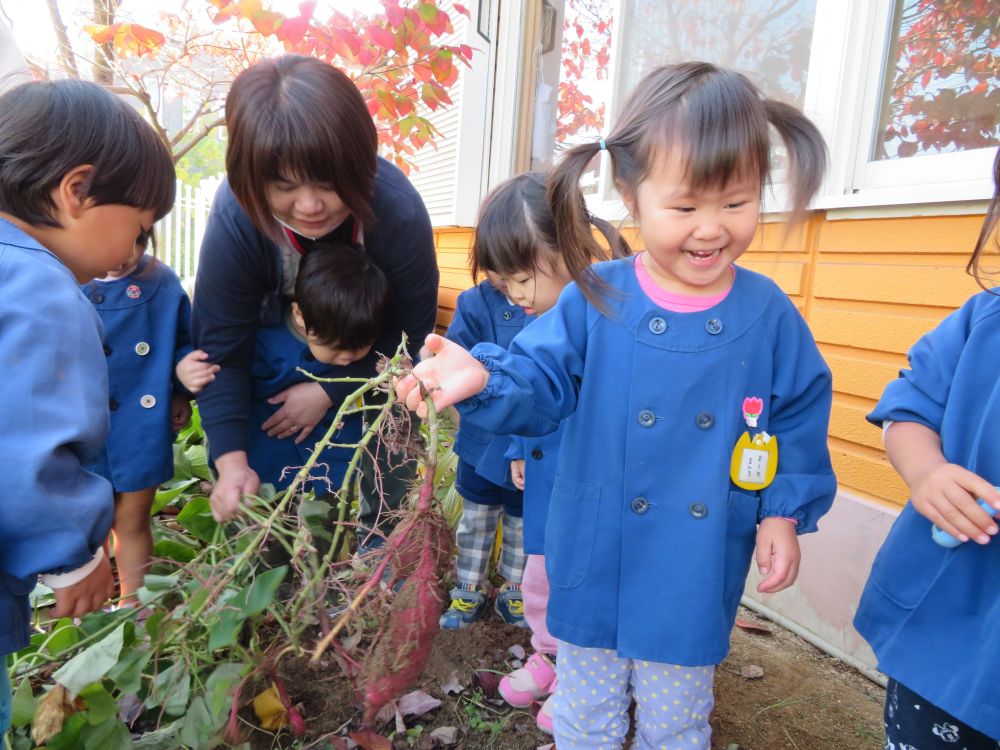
(704, 420)
(107, 350)
(698, 510)
(537, 453)
(507, 315)
(657, 325)
(142, 348)
(640, 505)
(713, 326)
(97, 298)
(112, 404)
(647, 418)
(147, 401)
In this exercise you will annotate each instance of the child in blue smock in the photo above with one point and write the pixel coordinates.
(931, 613)
(694, 442)
(147, 332)
(71, 209)
(341, 306)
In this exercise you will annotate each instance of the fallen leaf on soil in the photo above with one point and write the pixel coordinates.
(550, 746)
(53, 710)
(386, 714)
(517, 651)
(751, 672)
(400, 725)
(270, 711)
(488, 682)
(445, 736)
(417, 703)
(452, 685)
(371, 741)
(753, 627)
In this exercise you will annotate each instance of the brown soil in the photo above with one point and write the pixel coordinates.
(804, 700)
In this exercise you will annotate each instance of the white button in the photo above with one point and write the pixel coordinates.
(142, 348)
(147, 401)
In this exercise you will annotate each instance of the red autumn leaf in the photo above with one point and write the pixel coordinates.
(371, 741)
(292, 30)
(463, 10)
(394, 14)
(381, 37)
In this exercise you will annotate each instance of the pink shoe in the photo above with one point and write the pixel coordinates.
(530, 683)
(544, 718)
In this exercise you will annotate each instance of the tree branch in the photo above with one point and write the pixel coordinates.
(66, 53)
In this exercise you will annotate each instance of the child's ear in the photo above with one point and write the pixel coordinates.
(297, 315)
(71, 194)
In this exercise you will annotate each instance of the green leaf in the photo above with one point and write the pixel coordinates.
(22, 708)
(262, 590)
(170, 492)
(127, 673)
(171, 689)
(161, 583)
(224, 632)
(63, 636)
(69, 737)
(100, 705)
(109, 735)
(91, 664)
(198, 724)
(196, 517)
(164, 738)
(219, 687)
(171, 549)
(428, 12)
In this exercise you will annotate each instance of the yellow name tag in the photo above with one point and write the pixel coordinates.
(754, 462)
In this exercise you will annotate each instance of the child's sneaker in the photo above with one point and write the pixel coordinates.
(510, 605)
(466, 607)
(530, 683)
(544, 717)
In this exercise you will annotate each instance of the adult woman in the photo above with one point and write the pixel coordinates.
(302, 168)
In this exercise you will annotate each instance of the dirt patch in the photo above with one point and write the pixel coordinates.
(803, 700)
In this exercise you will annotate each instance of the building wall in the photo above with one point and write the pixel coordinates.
(869, 288)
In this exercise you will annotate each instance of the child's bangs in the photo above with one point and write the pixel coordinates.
(720, 130)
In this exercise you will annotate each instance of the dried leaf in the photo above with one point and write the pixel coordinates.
(371, 741)
(386, 714)
(517, 651)
(452, 685)
(53, 710)
(269, 709)
(417, 703)
(751, 672)
(445, 736)
(753, 627)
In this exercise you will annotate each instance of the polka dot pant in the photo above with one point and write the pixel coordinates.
(590, 708)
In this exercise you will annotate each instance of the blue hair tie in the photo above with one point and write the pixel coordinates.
(603, 145)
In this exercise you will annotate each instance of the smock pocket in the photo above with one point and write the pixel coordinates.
(741, 537)
(570, 531)
(909, 561)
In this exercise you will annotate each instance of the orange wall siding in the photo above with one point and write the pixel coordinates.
(869, 288)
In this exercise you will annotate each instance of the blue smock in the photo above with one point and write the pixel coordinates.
(931, 614)
(279, 353)
(648, 542)
(147, 331)
(53, 513)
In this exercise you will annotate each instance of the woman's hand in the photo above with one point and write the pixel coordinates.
(235, 480)
(304, 405)
(450, 375)
(777, 554)
(517, 473)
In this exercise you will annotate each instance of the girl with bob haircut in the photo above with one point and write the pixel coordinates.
(693, 404)
(82, 180)
(302, 173)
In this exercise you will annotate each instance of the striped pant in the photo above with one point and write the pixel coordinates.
(475, 536)
(596, 686)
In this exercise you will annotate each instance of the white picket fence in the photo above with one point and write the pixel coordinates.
(179, 233)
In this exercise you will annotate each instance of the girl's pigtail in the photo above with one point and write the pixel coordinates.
(806, 151)
(616, 242)
(989, 227)
(574, 238)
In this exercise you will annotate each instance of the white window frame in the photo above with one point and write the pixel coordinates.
(843, 93)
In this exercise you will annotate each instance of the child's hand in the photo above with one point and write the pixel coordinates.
(517, 473)
(450, 376)
(195, 371)
(87, 594)
(777, 554)
(303, 406)
(235, 479)
(180, 411)
(946, 495)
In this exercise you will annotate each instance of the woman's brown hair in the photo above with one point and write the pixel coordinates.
(297, 118)
(988, 228)
(717, 121)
